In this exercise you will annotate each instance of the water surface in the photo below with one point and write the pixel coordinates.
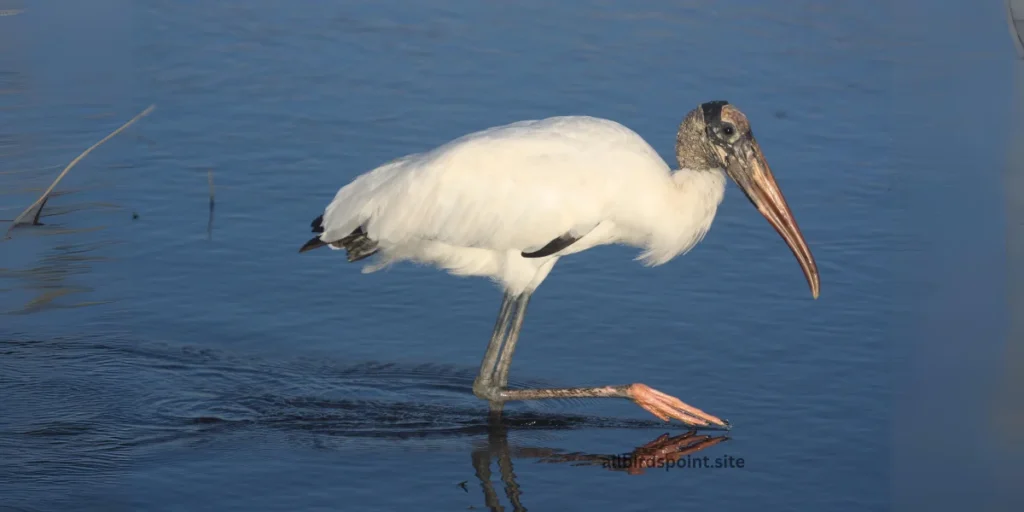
(152, 361)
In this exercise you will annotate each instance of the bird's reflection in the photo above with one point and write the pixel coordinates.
(665, 449)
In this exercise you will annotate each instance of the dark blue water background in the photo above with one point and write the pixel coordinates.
(155, 363)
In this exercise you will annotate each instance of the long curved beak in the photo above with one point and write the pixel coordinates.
(748, 168)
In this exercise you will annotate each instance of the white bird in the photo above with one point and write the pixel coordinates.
(509, 201)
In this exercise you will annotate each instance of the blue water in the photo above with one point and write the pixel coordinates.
(153, 360)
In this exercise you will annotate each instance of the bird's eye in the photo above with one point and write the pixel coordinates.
(728, 130)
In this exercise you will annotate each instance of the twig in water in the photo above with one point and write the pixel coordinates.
(38, 205)
(209, 224)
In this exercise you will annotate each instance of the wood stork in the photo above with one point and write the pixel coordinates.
(508, 202)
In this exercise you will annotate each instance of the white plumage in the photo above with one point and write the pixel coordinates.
(473, 205)
(507, 202)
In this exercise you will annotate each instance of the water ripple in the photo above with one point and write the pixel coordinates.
(78, 406)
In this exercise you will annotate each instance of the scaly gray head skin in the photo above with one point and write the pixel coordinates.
(716, 135)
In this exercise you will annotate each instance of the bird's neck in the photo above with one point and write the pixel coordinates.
(690, 205)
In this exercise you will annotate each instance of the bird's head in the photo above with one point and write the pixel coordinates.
(716, 135)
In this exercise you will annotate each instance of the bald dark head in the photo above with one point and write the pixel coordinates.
(710, 125)
(721, 118)
(716, 135)
(693, 148)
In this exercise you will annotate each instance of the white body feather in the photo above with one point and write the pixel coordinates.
(473, 205)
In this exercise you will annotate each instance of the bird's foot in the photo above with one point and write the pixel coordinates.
(667, 407)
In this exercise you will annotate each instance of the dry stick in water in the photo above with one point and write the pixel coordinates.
(209, 224)
(20, 219)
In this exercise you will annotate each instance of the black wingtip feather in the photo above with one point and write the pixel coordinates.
(318, 224)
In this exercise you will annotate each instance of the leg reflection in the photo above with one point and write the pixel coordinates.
(656, 453)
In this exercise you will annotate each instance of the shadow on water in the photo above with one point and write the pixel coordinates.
(80, 408)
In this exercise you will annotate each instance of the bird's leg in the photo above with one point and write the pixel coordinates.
(491, 384)
(493, 376)
(484, 386)
(515, 325)
(657, 403)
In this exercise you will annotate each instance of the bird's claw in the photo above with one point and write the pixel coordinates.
(667, 407)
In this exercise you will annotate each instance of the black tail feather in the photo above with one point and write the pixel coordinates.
(356, 244)
(313, 243)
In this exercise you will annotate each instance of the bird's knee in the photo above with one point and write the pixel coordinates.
(486, 391)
